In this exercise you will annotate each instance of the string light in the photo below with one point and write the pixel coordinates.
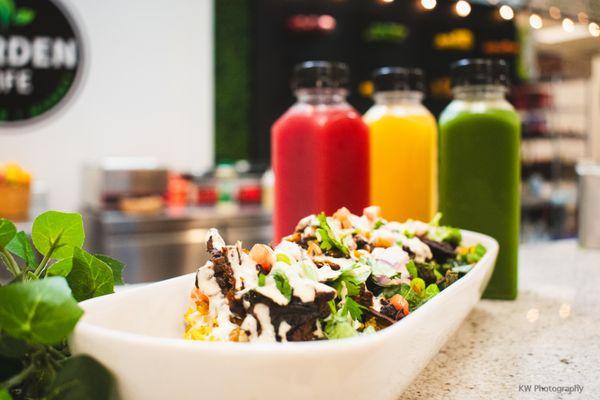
(594, 29)
(462, 8)
(568, 25)
(507, 12)
(554, 12)
(428, 4)
(535, 21)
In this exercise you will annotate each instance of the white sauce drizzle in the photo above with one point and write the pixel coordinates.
(284, 328)
(263, 315)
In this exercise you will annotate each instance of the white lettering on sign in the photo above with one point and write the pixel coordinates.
(40, 53)
(19, 80)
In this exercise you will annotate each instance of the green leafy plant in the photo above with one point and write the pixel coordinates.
(11, 15)
(38, 310)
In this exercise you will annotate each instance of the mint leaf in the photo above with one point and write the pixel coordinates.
(39, 312)
(283, 284)
(116, 266)
(82, 377)
(55, 233)
(8, 230)
(89, 277)
(61, 268)
(21, 246)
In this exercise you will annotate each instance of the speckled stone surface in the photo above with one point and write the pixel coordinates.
(549, 336)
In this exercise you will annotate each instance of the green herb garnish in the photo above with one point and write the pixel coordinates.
(283, 284)
(328, 239)
(284, 258)
(262, 278)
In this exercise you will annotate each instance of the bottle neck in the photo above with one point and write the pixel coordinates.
(315, 96)
(398, 96)
(479, 92)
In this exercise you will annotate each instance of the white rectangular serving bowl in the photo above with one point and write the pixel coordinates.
(138, 334)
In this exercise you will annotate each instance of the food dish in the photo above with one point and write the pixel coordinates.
(335, 277)
(137, 334)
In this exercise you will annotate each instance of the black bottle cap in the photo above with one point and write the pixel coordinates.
(320, 74)
(479, 71)
(398, 78)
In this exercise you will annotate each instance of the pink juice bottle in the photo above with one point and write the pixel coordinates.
(319, 149)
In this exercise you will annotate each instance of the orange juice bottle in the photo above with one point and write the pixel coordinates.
(403, 137)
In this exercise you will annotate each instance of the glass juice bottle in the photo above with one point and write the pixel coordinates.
(403, 146)
(480, 166)
(319, 149)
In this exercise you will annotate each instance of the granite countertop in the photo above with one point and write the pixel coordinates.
(549, 336)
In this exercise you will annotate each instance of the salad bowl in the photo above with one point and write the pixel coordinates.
(138, 335)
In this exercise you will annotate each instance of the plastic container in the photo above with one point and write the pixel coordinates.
(320, 149)
(480, 164)
(403, 146)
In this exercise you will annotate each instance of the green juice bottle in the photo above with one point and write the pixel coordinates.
(479, 167)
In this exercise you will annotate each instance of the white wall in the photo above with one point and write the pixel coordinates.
(147, 91)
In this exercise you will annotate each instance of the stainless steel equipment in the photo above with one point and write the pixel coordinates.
(589, 204)
(171, 243)
(105, 183)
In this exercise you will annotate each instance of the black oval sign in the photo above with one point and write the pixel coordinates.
(40, 58)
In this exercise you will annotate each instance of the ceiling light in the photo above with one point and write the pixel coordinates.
(462, 8)
(568, 25)
(535, 21)
(594, 29)
(506, 12)
(428, 4)
(554, 12)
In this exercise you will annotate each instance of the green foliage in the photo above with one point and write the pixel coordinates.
(7, 232)
(39, 312)
(82, 377)
(89, 276)
(24, 16)
(4, 395)
(38, 309)
(412, 269)
(56, 234)
(233, 77)
(61, 268)
(116, 266)
(21, 247)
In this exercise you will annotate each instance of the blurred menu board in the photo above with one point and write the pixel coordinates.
(366, 34)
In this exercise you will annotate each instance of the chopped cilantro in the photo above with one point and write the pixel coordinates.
(378, 224)
(353, 308)
(328, 240)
